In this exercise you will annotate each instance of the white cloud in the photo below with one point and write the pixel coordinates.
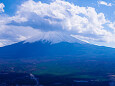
(68, 16)
(64, 16)
(104, 3)
(1, 7)
(55, 22)
(12, 34)
(112, 26)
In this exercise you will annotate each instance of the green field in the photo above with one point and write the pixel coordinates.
(73, 67)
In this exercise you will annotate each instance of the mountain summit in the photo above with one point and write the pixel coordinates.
(46, 49)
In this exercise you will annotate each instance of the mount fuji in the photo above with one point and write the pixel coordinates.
(43, 48)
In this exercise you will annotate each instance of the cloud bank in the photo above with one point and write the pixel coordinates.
(57, 21)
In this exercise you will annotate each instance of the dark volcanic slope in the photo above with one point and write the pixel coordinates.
(39, 49)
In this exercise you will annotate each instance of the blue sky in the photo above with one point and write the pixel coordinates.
(92, 21)
(11, 5)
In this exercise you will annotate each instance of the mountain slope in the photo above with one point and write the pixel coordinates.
(46, 49)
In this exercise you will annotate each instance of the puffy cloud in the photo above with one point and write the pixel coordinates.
(104, 3)
(57, 21)
(63, 16)
(1, 7)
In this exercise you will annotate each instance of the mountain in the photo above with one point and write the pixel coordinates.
(46, 49)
